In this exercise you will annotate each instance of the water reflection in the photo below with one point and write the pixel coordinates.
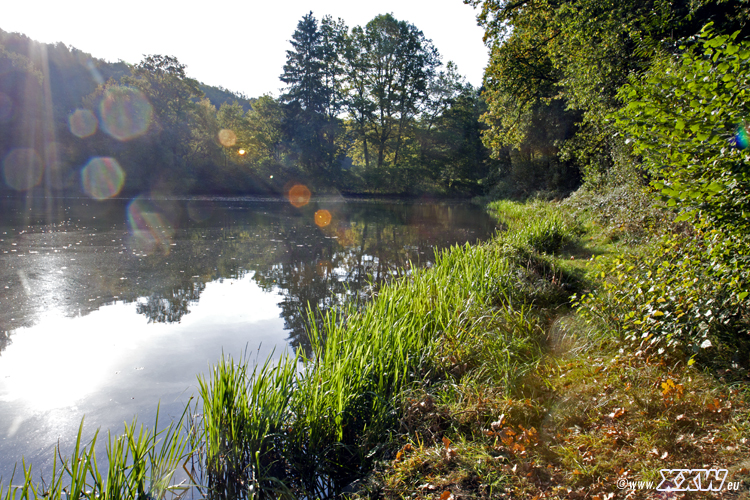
(82, 256)
(171, 307)
(93, 322)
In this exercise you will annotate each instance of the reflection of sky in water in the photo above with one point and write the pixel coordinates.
(116, 305)
(107, 364)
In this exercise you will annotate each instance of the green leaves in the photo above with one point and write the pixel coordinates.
(682, 117)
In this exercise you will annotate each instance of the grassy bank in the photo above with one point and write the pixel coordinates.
(634, 373)
(510, 369)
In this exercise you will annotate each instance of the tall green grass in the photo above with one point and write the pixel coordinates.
(540, 226)
(141, 464)
(244, 413)
(316, 422)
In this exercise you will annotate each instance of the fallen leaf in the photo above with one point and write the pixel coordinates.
(447, 495)
(619, 412)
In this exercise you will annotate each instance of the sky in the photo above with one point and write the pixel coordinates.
(234, 44)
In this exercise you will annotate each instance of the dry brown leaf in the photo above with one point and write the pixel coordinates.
(619, 412)
(447, 495)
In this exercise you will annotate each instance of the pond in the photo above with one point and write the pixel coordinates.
(111, 309)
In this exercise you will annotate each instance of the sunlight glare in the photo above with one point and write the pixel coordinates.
(322, 218)
(22, 169)
(82, 123)
(125, 113)
(6, 108)
(743, 136)
(69, 367)
(102, 178)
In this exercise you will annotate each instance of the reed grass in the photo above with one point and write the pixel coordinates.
(141, 464)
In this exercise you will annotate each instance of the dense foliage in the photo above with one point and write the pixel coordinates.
(556, 68)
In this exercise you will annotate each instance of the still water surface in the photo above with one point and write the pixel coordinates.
(108, 309)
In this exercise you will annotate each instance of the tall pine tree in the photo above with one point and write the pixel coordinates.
(311, 73)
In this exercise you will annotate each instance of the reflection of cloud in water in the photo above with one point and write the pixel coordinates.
(60, 361)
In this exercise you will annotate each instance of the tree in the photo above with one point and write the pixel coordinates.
(390, 64)
(312, 75)
(687, 118)
(579, 52)
(173, 95)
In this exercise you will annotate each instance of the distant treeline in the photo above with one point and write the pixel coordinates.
(366, 110)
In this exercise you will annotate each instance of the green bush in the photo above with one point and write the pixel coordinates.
(675, 296)
(687, 118)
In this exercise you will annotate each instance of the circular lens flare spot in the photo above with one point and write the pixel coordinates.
(6, 108)
(299, 195)
(241, 152)
(149, 229)
(82, 123)
(23, 169)
(125, 112)
(102, 178)
(743, 136)
(322, 218)
(227, 138)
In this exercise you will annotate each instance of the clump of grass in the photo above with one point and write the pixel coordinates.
(243, 415)
(141, 464)
(324, 424)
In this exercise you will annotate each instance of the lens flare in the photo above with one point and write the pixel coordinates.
(227, 138)
(6, 108)
(102, 178)
(149, 229)
(743, 136)
(52, 154)
(299, 195)
(199, 211)
(82, 123)
(23, 169)
(322, 218)
(125, 113)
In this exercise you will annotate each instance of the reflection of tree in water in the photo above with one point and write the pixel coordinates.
(365, 244)
(170, 307)
(340, 264)
(5, 340)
